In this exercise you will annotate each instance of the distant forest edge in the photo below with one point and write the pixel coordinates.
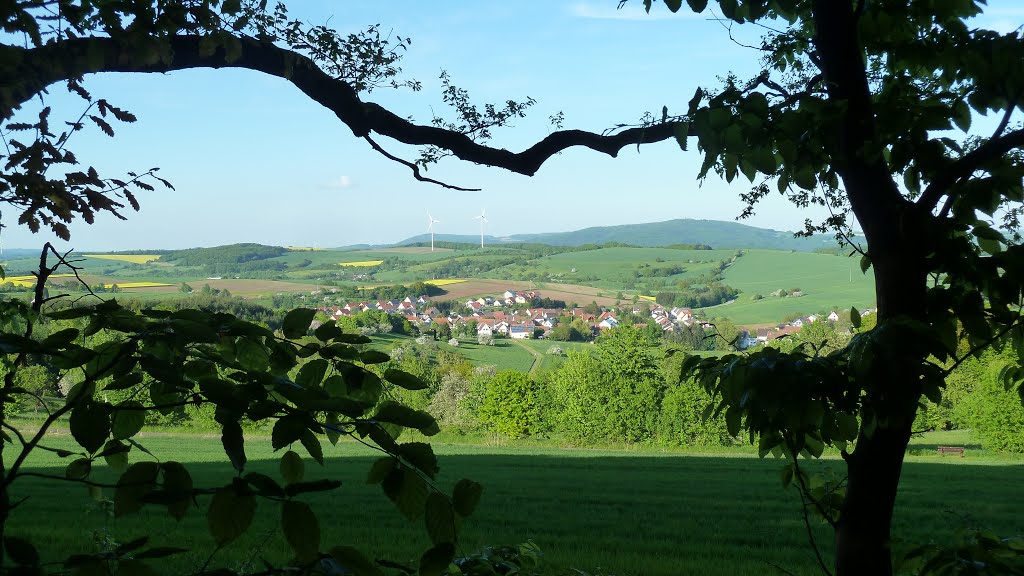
(715, 233)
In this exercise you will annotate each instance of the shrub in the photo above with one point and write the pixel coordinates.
(680, 422)
(509, 404)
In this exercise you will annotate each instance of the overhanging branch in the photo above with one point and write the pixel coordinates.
(60, 61)
(968, 164)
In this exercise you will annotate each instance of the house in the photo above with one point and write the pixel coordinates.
(812, 319)
(521, 299)
(508, 295)
(484, 329)
(747, 340)
(474, 306)
(520, 332)
(763, 334)
(407, 300)
(423, 299)
(798, 323)
(608, 323)
(501, 328)
(833, 316)
(682, 314)
(788, 330)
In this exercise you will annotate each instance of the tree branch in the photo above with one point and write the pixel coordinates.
(415, 169)
(60, 61)
(968, 164)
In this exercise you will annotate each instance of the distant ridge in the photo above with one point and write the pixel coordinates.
(715, 233)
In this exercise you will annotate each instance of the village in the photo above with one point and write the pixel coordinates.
(515, 314)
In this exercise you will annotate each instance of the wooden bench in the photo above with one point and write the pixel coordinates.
(951, 450)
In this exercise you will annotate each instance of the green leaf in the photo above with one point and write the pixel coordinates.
(312, 445)
(404, 379)
(674, 5)
(160, 552)
(374, 357)
(301, 530)
(355, 561)
(395, 413)
(251, 355)
(407, 490)
(234, 444)
(322, 485)
(178, 487)
(847, 425)
(115, 453)
(265, 485)
(296, 323)
(962, 115)
(682, 132)
(855, 317)
(292, 468)
(787, 475)
(435, 561)
(136, 482)
(61, 338)
(466, 496)
(78, 469)
(230, 514)
(286, 430)
(312, 373)
(380, 470)
(697, 5)
(421, 456)
(865, 263)
(90, 424)
(128, 419)
(439, 519)
(21, 551)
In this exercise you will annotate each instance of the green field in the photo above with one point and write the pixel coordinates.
(828, 282)
(613, 268)
(627, 512)
(503, 355)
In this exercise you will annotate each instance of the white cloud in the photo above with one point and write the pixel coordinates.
(339, 183)
(607, 10)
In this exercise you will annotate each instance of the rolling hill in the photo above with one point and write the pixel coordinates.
(718, 234)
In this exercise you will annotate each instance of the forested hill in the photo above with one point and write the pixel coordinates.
(715, 233)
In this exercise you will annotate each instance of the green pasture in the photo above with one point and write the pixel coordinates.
(503, 355)
(625, 512)
(612, 267)
(828, 283)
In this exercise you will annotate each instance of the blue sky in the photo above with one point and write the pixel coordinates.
(254, 161)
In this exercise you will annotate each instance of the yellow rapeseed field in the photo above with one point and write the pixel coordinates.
(133, 258)
(362, 263)
(31, 280)
(444, 281)
(648, 298)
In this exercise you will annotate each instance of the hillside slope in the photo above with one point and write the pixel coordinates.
(718, 234)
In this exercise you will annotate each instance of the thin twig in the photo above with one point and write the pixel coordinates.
(415, 169)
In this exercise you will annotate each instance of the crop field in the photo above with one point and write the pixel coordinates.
(414, 250)
(828, 282)
(133, 258)
(445, 281)
(130, 285)
(625, 512)
(362, 263)
(613, 267)
(503, 355)
(31, 280)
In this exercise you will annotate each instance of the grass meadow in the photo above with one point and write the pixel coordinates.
(622, 512)
(828, 282)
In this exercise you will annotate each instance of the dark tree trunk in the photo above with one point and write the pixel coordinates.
(863, 533)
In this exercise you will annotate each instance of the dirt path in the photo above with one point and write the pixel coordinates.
(537, 356)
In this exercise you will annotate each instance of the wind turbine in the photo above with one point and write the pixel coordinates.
(483, 218)
(430, 228)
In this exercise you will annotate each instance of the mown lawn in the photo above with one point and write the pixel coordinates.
(623, 512)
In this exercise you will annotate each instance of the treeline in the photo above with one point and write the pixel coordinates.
(625, 390)
(698, 296)
(223, 255)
